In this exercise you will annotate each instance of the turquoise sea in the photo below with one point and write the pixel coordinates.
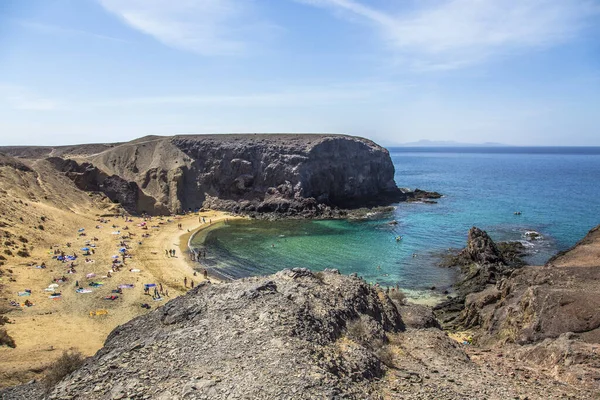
(557, 191)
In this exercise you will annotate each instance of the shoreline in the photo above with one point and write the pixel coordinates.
(185, 242)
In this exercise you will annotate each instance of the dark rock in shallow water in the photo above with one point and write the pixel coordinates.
(481, 263)
(422, 195)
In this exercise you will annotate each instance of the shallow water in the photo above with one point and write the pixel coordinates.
(556, 192)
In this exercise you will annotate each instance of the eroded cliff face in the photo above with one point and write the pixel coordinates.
(285, 174)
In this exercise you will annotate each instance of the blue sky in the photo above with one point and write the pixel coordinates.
(523, 72)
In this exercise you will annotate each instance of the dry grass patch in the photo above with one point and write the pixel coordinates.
(63, 366)
(6, 339)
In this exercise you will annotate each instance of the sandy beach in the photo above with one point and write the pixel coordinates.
(82, 321)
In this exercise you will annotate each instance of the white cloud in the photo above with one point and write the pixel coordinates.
(207, 27)
(287, 97)
(20, 98)
(53, 29)
(450, 34)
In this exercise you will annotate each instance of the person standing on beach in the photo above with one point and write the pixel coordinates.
(205, 273)
(192, 284)
(185, 281)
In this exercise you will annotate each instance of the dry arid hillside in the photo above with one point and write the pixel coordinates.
(43, 214)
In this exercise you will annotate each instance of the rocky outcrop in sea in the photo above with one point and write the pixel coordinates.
(544, 315)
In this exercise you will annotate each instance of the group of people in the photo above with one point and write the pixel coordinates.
(170, 252)
(195, 256)
(158, 292)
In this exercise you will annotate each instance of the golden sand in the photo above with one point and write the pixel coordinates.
(42, 332)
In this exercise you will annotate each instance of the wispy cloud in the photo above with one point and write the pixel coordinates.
(53, 29)
(20, 98)
(454, 33)
(288, 97)
(207, 27)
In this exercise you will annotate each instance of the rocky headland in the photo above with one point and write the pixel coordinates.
(258, 175)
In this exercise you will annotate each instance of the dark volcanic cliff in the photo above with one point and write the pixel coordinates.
(284, 174)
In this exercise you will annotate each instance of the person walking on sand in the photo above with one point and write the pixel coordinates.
(205, 273)
(185, 281)
(192, 283)
(166, 252)
(161, 288)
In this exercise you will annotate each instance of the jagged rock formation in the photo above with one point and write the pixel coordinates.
(550, 311)
(292, 335)
(290, 175)
(482, 263)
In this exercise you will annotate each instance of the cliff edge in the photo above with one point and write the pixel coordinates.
(283, 174)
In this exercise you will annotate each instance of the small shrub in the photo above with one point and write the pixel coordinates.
(320, 276)
(65, 365)
(385, 355)
(2, 257)
(357, 330)
(3, 320)
(43, 218)
(397, 296)
(41, 227)
(8, 252)
(8, 243)
(23, 253)
(23, 239)
(6, 340)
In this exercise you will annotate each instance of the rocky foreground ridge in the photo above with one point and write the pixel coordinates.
(290, 175)
(303, 335)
